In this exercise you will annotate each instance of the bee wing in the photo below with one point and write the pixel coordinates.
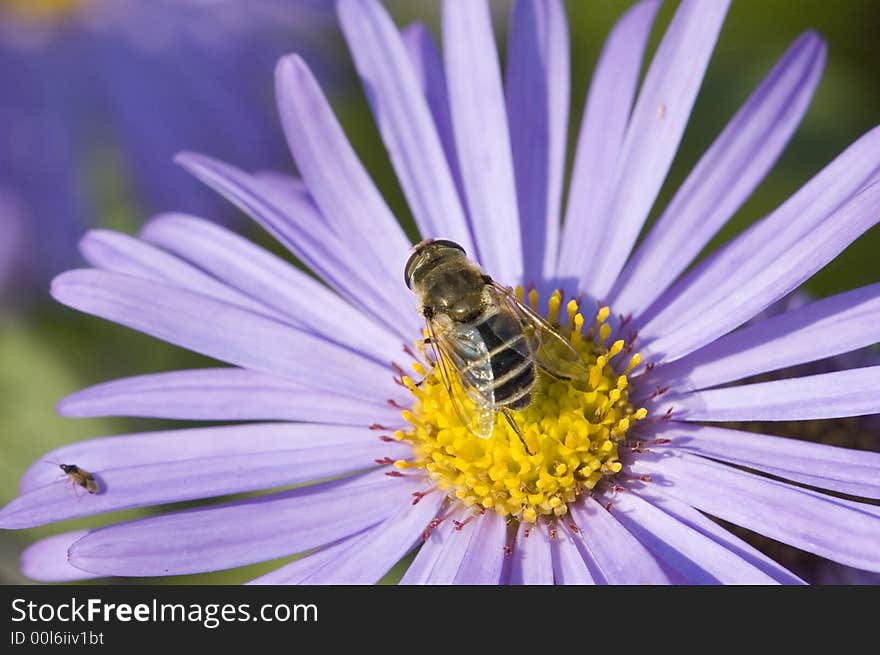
(551, 351)
(475, 407)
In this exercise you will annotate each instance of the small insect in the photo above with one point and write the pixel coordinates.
(81, 477)
(482, 334)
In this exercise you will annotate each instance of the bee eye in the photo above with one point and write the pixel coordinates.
(407, 270)
(448, 244)
(415, 256)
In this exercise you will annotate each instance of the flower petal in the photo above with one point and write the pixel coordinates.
(372, 556)
(222, 331)
(243, 532)
(854, 472)
(176, 465)
(840, 530)
(569, 565)
(295, 222)
(854, 392)
(166, 446)
(46, 559)
(258, 274)
(603, 127)
(725, 176)
(696, 557)
(692, 518)
(479, 119)
(621, 558)
(483, 561)
(456, 545)
(336, 179)
(814, 331)
(363, 558)
(223, 394)
(438, 539)
(769, 259)
(532, 559)
(121, 253)
(658, 121)
(428, 68)
(404, 120)
(537, 109)
(298, 570)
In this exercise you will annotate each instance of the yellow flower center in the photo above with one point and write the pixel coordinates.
(39, 10)
(572, 435)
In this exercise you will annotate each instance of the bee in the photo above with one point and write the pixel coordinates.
(480, 333)
(80, 476)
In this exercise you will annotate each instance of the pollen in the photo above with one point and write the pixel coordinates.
(569, 437)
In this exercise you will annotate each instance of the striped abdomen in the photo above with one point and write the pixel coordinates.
(502, 370)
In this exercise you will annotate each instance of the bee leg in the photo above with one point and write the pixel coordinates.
(422, 346)
(512, 423)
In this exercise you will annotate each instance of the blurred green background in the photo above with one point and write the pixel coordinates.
(50, 351)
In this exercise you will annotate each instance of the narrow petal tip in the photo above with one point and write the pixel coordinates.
(94, 243)
(290, 68)
(61, 284)
(415, 31)
(183, 157)
(813, 40)
(68, 406)
(46, 560)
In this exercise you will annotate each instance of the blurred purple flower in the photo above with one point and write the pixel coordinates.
(113, 88)
(486, 170)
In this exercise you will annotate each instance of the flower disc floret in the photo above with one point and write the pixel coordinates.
(572, 434)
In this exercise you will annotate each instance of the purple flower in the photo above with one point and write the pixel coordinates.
(102, 94)
(621, 479)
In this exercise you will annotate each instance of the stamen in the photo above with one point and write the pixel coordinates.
(418, 495)
(433, 524)
(460, 524)
(659, 391)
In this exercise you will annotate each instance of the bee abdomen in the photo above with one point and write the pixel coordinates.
(515, 391)
(513, 370)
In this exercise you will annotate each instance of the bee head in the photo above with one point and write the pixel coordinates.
(69, 468)
(425, 256)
